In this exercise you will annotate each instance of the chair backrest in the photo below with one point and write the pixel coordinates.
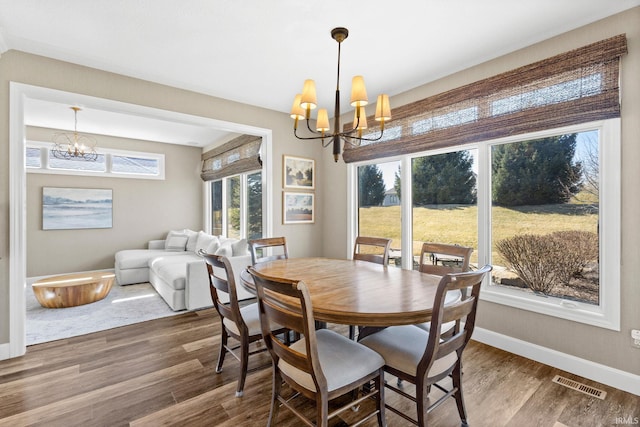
(441, 259)
(259, 247)
(217, 264)
(439, 345)
(372, 249)
(296, 315)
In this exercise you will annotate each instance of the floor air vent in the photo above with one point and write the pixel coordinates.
(583, 388)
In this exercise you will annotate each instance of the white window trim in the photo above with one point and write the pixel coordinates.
(107, 173)
(607, 313)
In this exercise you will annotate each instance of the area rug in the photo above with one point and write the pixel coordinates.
(123, 306)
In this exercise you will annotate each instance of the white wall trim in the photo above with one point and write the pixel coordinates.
(19, 92)
(613, 377)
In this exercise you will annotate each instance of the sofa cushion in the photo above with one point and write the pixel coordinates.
(137, 258)
(172, 269)
(203, 241)
(192, 239)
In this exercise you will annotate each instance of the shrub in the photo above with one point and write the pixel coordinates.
(542, 261)
(533, 258)
(580, 248)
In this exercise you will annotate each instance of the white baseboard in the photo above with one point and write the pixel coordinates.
(617, 378)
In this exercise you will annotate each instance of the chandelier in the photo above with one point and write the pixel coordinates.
(306, 101)
(74, 146)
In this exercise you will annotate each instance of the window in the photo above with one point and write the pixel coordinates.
(543, 208)
(379, 205)
(236, 206)
(444, 208)
(112, 163)
(554, 202)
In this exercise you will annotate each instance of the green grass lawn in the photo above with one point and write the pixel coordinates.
(458, 223)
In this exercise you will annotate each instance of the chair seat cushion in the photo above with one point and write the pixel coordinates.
(251, 318)
(402, 347)
(138, 258)
(342, 361)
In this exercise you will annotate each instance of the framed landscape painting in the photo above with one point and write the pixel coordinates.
(298, 208)
(298, 173)
(76, 208)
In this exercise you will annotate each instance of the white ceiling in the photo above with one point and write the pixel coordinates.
(259, 52)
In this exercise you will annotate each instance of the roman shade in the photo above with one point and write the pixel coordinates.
(239, 155)
(575, 87)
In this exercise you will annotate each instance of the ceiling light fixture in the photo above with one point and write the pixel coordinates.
(74, 145)
(306, 101)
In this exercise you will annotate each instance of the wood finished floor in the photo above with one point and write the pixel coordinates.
(161, 372)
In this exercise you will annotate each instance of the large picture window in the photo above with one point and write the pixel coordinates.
(543, 208)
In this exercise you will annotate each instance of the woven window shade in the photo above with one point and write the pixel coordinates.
(239, 155)
(571, 88)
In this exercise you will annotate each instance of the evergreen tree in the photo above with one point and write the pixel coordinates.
(254, 210)
(443, 179)
(535, 172)
(371, 187)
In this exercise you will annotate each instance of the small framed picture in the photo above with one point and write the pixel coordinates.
(298, 208)
(298, 173)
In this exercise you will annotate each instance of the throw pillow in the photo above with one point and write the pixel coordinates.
(193, 237)
(176, 243)
(241, 247)
(213, 246)
(225, 250)
(203, 241)
(170, 235)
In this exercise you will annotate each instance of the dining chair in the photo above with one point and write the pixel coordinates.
(441, 259)
(372, 249)
(425, 358)
(322, 365)
(240, 323)
(259, 248)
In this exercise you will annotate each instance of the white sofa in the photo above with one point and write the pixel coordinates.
(176, 271)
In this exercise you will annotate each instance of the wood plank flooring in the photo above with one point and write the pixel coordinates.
(161, 372)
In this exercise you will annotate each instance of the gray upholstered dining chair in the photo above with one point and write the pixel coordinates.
(322, 365)
(259, 248)
(425, 358)
(239, 323)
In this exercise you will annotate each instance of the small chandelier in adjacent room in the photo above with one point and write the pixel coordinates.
(306, 101)
(74, 145)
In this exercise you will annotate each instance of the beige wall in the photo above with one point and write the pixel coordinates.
(143, 209)
(328, 235)
(602, 346)
(304, 239)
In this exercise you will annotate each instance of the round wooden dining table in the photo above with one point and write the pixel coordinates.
(357, 292)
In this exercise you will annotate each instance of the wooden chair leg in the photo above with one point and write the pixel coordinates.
(456, 376)
(244, 364)
(276, 386)
(223, 350)
(379, 384)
